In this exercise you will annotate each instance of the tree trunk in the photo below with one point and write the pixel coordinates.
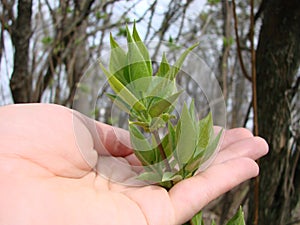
(21, 80)
(278, 57)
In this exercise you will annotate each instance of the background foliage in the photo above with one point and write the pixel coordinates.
(47, 46)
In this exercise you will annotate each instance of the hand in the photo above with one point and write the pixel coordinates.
(48, 156)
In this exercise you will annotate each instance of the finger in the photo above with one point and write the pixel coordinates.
(252, 147)
(234, 135)
(191, 195)
(118, 172)
(108, 140)
(113, 140)
(133, 160)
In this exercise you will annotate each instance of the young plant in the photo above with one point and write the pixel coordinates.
(150, 99)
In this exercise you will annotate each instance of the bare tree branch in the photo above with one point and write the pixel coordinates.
(239, 51)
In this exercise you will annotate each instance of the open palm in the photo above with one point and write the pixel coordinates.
(59, 167)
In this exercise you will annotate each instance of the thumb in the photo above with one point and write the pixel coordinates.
(191, 195)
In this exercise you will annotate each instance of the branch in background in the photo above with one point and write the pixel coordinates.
(185, 6)
(2, 38)
(170, 16)
(152, 10)
(239, 51)
(255, 108)
(227, 14)
(260, 10)
(6, 16)
(247, 114)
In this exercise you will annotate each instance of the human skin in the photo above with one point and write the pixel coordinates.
(48, 156)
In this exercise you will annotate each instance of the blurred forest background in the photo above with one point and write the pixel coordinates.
(47, 49)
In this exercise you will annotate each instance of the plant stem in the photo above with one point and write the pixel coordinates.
(161, 150)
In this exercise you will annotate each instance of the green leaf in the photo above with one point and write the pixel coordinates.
(238, 218)
(161, 87)
(172, 138)
(167, 176)
(119, 102)
(171, 176)
(202, 156)
(205, 131)
(141, 147)
(192, 110)
(169, 141)
(176, 67)
(143, 49)
(122, 32)
(101, 15)
(118, 62)
(150, 176)
(213, 2)
(122, 92)
(176, 178)
(197, 219)
(138, 67)
(211, 148)
(187, 139)
(138, 139)
(47, 40)
(162, 105)
(164, 67)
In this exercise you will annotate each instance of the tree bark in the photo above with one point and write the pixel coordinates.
(21, 80)
(278, 58)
